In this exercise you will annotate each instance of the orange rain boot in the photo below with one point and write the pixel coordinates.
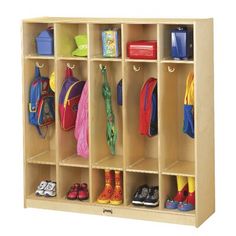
(107, 192)
(117, 196)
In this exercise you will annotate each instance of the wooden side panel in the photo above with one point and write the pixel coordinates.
(204, 120)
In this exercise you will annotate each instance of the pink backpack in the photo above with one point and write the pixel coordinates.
(81, 124)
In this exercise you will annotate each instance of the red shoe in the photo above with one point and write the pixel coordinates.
(83, 193)
(73, 192)
(179, 197)
(188, 204)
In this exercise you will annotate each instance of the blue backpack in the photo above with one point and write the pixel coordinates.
(41, 102)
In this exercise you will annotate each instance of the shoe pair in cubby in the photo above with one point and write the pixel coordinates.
(78, 192)
(112, 192)
(184, 199)
(146, 195)
(46, 188)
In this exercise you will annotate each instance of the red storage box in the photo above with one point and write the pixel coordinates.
(143, 49)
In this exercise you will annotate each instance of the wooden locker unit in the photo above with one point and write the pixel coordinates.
(155, 160)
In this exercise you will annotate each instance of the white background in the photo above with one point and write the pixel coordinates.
(19, 221)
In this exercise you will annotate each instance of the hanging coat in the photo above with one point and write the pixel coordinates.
(188, 126)
(81, 125)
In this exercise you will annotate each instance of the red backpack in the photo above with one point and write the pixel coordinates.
(148, 108)
(69, 99)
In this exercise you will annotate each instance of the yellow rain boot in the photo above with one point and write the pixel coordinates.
(117, 196)
(189, 203)
(107, 192)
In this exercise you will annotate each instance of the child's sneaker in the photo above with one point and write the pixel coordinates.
(140, 195)
(41, 188)
(152, 199)
(83, 193)
(50, 190)
(73, 192)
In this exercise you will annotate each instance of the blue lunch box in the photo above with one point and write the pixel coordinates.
(181, 43)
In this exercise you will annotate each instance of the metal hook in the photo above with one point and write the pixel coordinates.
(101, 66)
(38, 65)
(136, 69)
(69, 66)
(171, 70)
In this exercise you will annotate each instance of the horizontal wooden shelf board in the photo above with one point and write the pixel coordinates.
(144, 165)
(143, 208)
(46, 158)
(95, 203)
(64, 199)
(183, 168)
(171, 61)
(39, 57)
(110, 162)
(100, 58)
(112, 20)
(72, 58)
(75, 161)
(140, 60)
(177, 212)
(32, 196)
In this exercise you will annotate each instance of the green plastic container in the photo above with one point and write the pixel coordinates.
(82, 44)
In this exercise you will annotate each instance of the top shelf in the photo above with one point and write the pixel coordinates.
(65, 33)
(77, 20)
(171, 61)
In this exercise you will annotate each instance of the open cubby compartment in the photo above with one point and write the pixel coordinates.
(65, 35)
(98, 183)
(177, 148)
(141, 152)
(100, 152)
(69, 176)
(136, 32)
(168, 191)
(36, 173)
(30, 32)
(165, 39)
(134, 180)
(95, 38)
(66, 139)
(38, 150)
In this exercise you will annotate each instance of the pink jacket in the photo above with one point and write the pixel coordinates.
(81, 125)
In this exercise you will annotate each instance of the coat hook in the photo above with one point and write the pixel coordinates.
(101, 66)
(171, 70)
(136, 69)
(38, 65)
(69, 66)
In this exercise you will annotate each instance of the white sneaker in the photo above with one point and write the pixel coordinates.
(41, 188)
(50, 190)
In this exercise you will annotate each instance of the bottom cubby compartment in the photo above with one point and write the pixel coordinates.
(169, 190)
(68, 176)
(35, 173)
(98, 180)
(134, 181)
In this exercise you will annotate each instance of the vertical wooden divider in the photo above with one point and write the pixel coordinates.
(90, 109)
(57, 120)
(123, 48)
(159, 45)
